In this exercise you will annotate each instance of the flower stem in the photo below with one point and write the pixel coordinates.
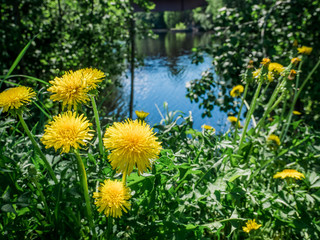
(296, 96)
(239, 113)
(96, 116)
(109, 227)
(124, 178)
(271, 101)
(248, 116)
(84, 184)
(37, 148)
(43, 199)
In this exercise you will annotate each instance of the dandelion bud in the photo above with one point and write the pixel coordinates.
(141, 114)
(295, 43)
(250, 65)
(265, 62)
(292, 74)
(295, 61)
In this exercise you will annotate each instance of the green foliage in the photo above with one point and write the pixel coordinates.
(70, 35)
(173, 18)
(153, 19)
(203, 186)
(251, 30)
(180, 26)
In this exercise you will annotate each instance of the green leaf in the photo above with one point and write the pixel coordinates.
(8, 208)
(18, 59)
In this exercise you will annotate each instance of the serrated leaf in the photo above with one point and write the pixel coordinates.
(8, 208)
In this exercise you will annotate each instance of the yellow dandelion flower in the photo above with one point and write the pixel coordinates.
(208, 127)
(274, 139)
(67, 131)
(73, 87)
(236, 91)
(233, 120)
(14, 98)
(274, 71)
(266, 61)
(251, 225)
(69, 90)
(141, 114)
(256, 73)
(112, 198)
(290, 173)
(91, 77)
(296, 112)
(295, 61)
(305, 50)
(132, 143)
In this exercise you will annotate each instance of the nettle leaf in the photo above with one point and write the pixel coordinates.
(315, 185)
(219, 185)
(236, 173)
(313, 178)
(8, 208)
(214, 226)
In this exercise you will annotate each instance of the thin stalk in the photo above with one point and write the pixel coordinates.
(84, 184)
(96, 116)
(37, 148)
(265, 89)
(43, 199)
(277, 102)
(297, 93)
(252, 116)
(239, 113)
(284, 108)
(252, 107)
(124, 178)
(109, 227)
(271, 101)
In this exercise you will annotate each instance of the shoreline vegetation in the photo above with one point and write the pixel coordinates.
(69, 170)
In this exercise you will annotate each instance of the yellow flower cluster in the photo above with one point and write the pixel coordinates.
(274, 71)
(132, 144)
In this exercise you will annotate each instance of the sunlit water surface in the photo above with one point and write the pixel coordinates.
(163, 78)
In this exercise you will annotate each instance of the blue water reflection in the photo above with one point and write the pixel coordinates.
(163, 78)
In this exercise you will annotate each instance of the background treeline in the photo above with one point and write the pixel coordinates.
(70, 35)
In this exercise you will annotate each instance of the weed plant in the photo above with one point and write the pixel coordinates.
(258, 180)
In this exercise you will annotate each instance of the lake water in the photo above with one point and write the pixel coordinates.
(163, 77)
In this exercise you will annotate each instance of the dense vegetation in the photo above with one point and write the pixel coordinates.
(250, 30)
(69, 171)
